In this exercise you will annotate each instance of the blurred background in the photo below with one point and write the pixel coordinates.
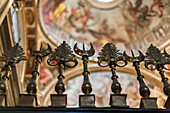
(128, 24)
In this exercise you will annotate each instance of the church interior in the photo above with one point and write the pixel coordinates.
(73, 54)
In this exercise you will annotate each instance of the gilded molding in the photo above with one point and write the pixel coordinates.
(4, 9)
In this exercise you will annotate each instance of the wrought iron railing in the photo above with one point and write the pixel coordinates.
(109, 56)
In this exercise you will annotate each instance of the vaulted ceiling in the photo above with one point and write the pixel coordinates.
(129, 24)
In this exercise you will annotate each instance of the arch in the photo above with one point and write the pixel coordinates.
(149, 76)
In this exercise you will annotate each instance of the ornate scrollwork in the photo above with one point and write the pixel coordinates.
(62, 56)
(11, 58)
(86, 86)
(110, 56)
(158, 60)
(39, 54)
(136, 60)
(155, 59)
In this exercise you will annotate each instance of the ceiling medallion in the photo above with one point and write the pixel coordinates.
(105, 4)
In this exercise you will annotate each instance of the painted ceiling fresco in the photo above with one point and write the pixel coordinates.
(101, 83)
(129, 24)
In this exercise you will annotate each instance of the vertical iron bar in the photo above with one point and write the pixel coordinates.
(144, 90)
(86, 86)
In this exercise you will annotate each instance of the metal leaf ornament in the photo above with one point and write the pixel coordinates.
(13, 56)
(154, 53)
(167, 57)
(63, 51)
(109, 51)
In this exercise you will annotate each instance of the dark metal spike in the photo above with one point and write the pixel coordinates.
(77, 50)
(166, 53)
(41, 46)
(124, 53)
(49, 47)
(132, 54)
(140, 53)
(141, 56)
(80, 52)
(127, 56)
(43, 53)
(92, 48)
(83, 47)
(92, 51)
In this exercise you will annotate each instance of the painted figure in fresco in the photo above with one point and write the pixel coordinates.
(60, 15)
(80, 16)
(102, 89)
(134, 10)
(159, 4)
(106, 89)
(138, 3)
(49, 6)
(104, 35)
(45, 76)
(133, 97)
(141, 14)
(141, 18)
(73, 89)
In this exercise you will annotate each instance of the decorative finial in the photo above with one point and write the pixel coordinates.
(39, 54)
(11, 58)
(111, 56)
(62, 56)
